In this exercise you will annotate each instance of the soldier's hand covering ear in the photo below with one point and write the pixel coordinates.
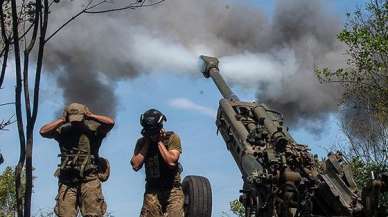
(88, 113)
(64, 116)
(162, 134)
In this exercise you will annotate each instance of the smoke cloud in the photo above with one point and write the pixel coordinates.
(274, 55)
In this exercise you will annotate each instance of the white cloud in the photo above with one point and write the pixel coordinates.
(187, 104)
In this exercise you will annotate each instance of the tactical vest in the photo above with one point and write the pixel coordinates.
(79, 148)
(158, 173)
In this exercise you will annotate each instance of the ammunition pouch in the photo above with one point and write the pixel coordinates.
(75, 167)
(162, 184)
(103, 169)
(167, 180)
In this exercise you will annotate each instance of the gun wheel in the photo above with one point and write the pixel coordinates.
(198, 196)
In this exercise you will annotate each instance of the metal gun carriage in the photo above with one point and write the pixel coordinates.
(281, 177)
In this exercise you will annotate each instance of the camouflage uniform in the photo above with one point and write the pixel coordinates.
(163, 195)
(79, 183)
(87, 196)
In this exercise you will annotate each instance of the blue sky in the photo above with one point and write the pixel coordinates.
(189, 103)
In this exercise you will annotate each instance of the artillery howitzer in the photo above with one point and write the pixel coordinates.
(281, 177)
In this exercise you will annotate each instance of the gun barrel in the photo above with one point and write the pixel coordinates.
(211, 70)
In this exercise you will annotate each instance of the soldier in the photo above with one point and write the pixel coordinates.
(160, 151)
(79, 134)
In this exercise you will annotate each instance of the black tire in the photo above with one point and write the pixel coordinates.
(198, 196)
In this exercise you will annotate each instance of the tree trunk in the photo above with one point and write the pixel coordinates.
(18, 108)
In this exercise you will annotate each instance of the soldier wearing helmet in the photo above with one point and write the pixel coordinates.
(80, 172)
(159, 150)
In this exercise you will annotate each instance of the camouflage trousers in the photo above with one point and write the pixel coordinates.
(85, 196)
(163, 203)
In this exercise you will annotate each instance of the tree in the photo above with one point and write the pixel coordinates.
(3, 126)
(362, 177)
(24, 34)
(6, 122)
(237, 208)
(7, 193)
(5, 17)
(364, 108)
(365, 81)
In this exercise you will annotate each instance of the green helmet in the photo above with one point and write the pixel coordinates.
(75, 112)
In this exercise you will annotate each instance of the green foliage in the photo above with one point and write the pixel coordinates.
(365, 80)
(7, 193)
(362, 171)
(364, 113)
(362, 175)
(237, 208)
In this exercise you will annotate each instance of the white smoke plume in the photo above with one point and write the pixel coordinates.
(187, 104)
(274, 56)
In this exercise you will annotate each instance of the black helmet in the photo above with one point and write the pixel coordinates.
(152, 121)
